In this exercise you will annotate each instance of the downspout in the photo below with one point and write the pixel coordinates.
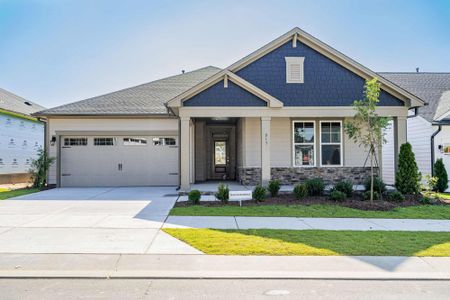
(432, 147)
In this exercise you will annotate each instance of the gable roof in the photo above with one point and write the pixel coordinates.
(17, 104)
(297, 35)
(431, 87)
(225, 75)
(144, 99)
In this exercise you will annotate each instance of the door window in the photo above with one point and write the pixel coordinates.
(220, 152)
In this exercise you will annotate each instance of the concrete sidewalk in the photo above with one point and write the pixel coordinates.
(202, 266)
(306, 223)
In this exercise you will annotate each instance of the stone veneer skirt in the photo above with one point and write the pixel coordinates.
(357, 175)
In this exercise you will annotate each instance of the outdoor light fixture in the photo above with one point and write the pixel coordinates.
(53, 141)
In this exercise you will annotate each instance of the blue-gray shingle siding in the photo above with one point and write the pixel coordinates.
(326, 83)
(217, 95)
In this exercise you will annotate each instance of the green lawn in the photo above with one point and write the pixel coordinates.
(5, 194)
(315, 242)
(316, 211)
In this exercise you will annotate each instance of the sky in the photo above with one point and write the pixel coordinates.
(59, 51)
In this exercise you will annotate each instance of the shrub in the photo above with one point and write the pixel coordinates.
(315, 186)
(407, 178)
(274, 187)
(223, 193)
(395, 196)
(194, 196)
(259, 193)
(300, 191)
(378, 185)
(442, 177)
(39, 168)
(344, 186)
(366, 195)
(338, 195)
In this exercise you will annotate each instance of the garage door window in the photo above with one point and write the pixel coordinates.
(134, 141)
(164, 141)
(75, 142)
(108, 141)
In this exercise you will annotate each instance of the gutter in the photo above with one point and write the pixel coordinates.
(432, 147)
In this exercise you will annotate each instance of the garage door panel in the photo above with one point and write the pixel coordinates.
(119, 164)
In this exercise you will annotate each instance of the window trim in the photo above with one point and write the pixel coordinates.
(314, 144)
(341, 144)
(290, 60)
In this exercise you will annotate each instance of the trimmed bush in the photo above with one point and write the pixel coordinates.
(344, 186)
(194, 196)
(395, 196)
(378, 185)
(366, 195)
(300, 191)
(338, 195)
(274, 187)
(407, 178)
(442, 177)
(259, 193)
(223, 193)
(315, 186)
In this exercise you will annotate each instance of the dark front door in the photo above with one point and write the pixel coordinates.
(221, 159)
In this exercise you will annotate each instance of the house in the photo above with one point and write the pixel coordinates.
(20, 137)
(276, 113)
(427, 126)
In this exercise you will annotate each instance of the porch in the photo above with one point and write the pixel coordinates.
(253, 150)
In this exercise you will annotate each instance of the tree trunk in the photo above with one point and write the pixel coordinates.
(371, 176)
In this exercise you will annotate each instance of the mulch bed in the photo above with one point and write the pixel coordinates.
(356, 202)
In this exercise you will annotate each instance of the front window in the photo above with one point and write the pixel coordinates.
(331, 143)
(304, 143)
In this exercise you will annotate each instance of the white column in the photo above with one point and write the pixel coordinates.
(265, 150)
(185, 154)
(400, 127)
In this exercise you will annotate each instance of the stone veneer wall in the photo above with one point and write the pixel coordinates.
(357, 175)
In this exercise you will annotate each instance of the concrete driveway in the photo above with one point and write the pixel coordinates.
(90, 220)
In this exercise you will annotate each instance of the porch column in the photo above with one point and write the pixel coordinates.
(400, 127)
(265, 150)
(184, 154)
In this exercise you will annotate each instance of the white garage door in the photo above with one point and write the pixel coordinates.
(119, 161)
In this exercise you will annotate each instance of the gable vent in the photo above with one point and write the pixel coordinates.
(294, 69)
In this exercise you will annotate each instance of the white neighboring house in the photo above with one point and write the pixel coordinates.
(20, 137)
(428, 126)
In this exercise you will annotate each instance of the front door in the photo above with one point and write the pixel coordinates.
(221, 159)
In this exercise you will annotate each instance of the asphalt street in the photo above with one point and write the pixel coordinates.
(220, 289)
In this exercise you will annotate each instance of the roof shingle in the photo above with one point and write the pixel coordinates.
(144, 99)
(433, 88)
(17, 104)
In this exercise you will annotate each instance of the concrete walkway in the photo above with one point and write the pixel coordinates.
(210, 266)
(306, 223)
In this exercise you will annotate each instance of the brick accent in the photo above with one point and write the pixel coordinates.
(357, 175)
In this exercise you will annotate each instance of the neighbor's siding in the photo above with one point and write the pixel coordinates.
(419, 136)
(81, 124)
(19, 141)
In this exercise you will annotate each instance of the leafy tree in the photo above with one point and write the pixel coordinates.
(441, 174)
(407, 178)
(39, 168)
(367, 128)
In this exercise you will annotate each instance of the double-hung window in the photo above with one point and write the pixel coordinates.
(303, 143)
(331, 143)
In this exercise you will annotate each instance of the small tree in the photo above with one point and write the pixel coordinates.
(39, 168)
(367, 128)
(441, 174)
(407, 178)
